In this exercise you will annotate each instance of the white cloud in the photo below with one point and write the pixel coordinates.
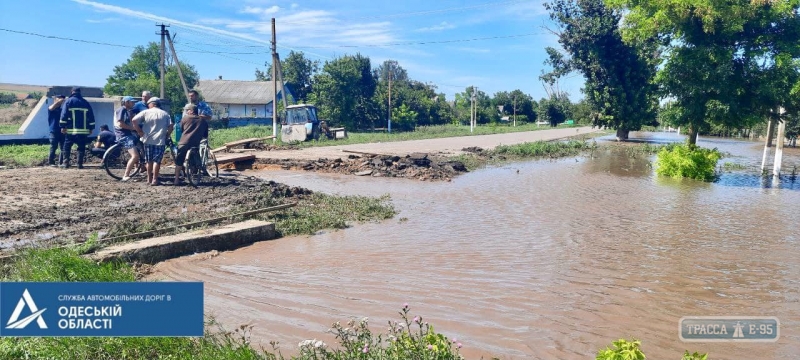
(295, 5)
(444, 25)
(104, 20)
(261, 11)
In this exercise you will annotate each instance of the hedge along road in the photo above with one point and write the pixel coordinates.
(444, 146)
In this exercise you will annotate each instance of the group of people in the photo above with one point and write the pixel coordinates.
(72, 121)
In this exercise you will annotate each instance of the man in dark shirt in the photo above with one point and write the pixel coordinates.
(195, 129)
(56, 137)
(77, 123)
(105, 140)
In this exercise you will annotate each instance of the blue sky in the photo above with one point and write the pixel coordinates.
(231, 38)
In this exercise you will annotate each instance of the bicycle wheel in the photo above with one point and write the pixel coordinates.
(194, 173)
(212, 169)
(115, 160)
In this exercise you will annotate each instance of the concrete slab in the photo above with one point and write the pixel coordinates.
(151, 251)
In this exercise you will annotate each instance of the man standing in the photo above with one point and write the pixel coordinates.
(127, 133)
(141, 105)
(56, 137)
(203, 110)
(77, 123)
(156, 130)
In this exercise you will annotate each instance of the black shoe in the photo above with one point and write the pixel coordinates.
(80, 166)
(52, 165)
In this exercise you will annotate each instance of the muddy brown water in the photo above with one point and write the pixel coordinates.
(543, 259)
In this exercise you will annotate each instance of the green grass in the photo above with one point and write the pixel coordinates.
(218, 137)
(322, 211)
(221, 136)
(23, 155)
(9, 128)
(524, 151)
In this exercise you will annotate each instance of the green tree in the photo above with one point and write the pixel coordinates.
(298, 74)
(524, 104)
(141, 72)
(344, 92)
(619, 78)
(556, 109)
(729, 63)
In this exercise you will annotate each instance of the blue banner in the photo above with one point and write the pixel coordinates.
(101, 309)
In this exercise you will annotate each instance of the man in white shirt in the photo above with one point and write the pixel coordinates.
(157, 128)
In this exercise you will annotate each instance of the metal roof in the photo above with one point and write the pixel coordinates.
(237, 91)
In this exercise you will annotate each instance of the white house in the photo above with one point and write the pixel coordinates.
(240, 102)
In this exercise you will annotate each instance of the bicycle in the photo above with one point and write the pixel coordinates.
(200, 161)
(115, 159)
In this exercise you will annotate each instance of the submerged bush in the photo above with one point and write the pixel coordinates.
(688, 161)
(629, 350)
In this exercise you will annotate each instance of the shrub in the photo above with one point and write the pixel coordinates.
(688, 161)
(623, 350)
(629, 350)
(409, 339)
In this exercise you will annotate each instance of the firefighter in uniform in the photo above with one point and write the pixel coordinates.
(77, 123)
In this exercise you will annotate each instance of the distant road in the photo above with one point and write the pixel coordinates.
(444, 146)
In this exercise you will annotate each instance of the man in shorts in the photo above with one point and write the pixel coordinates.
(195, 129)
(128, 133)
(156, 130)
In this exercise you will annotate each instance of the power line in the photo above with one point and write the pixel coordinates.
(68, 39)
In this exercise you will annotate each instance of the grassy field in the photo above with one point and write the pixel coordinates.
(9, 128)
(221, 136)
(23, 155)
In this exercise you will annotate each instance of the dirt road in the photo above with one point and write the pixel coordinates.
(442, 146)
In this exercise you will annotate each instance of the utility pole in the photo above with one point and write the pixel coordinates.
(178, 64)
(776, 169)
(767, 145)
(163, 54)
(274, 86)
(472, 110)
(515, 110)
(389, 64)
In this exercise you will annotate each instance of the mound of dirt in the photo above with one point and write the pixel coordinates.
(415, 166)
(51, 204)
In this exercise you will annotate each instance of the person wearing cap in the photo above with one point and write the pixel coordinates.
(155, 132)
(127, 133)
(56, 137)
(77, 123)
(203, 110)
(195, 129)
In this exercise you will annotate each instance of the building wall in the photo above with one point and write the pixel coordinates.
(243, 111)
(36, 125)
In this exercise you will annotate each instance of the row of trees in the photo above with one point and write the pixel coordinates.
(710, 64)
(351, 93)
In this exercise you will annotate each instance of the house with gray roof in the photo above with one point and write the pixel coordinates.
(240, 102)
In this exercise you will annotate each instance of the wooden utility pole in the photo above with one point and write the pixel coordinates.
(163, 56)
(472, 111)
(274, 86)
(776, 169)
(178, 64)
(389, 64)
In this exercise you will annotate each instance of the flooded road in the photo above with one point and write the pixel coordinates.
(544, 259)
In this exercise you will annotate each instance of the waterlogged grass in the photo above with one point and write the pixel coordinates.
(729, 166)
(63, 265)
(23, 155)
(543, 149)
(322, 211)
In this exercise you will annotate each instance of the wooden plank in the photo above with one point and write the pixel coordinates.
(219, 149)
(235, 158)
(246, 141)
(361, 153)
(242, 150)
